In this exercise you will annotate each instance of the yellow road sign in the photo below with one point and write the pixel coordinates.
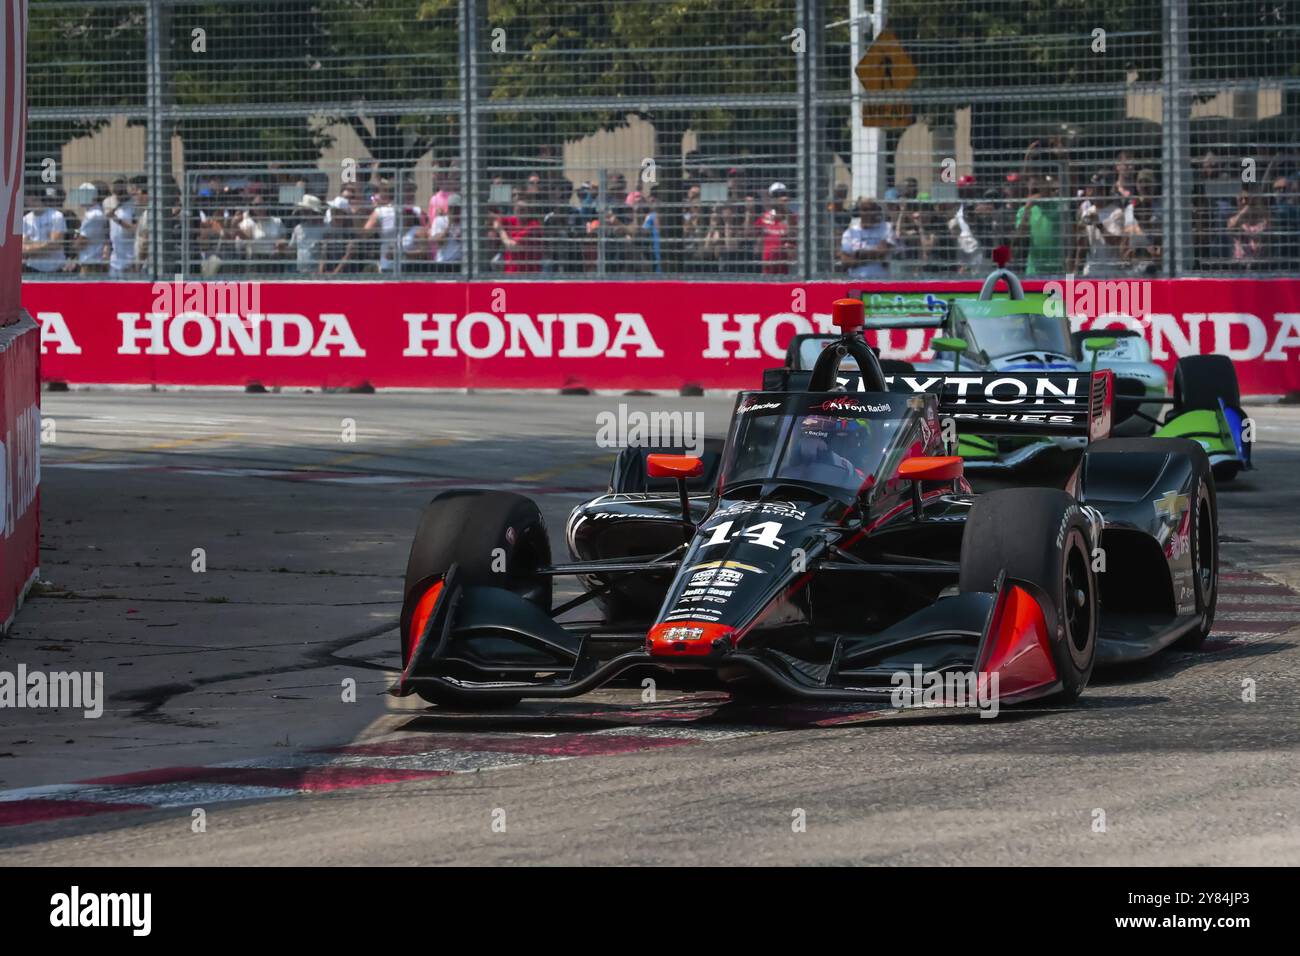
(886, 68)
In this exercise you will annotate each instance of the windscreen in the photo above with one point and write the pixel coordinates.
(844, 442)
(813, 346)
(1000, 335)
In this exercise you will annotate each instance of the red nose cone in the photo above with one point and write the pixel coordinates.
(847, 314)
(1001, 256)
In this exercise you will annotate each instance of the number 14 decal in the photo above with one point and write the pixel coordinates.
(764, 533)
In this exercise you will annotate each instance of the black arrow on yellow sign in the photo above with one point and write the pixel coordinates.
(886, 68)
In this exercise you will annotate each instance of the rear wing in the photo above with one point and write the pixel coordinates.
(933, 309)
(905, 310)
(1076, 404)
(1067, 404)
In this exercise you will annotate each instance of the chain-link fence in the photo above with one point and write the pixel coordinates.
(730, 139)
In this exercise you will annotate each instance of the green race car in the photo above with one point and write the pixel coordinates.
(1018, 331)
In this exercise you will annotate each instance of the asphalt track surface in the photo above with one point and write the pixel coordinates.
(226, 738)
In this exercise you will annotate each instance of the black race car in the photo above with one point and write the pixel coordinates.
(829, 546)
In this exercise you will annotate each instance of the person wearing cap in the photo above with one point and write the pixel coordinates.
(261, 238)
(868, 242)
(43, 232)
(776, 230)
(308, 236)
(344, 202)
(520, 235)
(91, 244)
(1101, 228)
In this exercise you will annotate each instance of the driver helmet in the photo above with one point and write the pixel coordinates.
(828, 439)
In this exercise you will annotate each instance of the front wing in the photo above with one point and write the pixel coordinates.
(490, 644)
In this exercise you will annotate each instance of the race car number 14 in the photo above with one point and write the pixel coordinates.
(764, 533)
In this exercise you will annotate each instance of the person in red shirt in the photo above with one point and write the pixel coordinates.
(776, 229)
(521, 238)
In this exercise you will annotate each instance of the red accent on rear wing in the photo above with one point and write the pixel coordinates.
(1076, 404)
(1101, 406)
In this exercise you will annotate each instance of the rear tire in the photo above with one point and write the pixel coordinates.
(481, 532)
(1201, 380)
(1205, 564)
(1016, 530)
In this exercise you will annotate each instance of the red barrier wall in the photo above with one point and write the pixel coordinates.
(608, 335)
(20, 417)
(20, 466)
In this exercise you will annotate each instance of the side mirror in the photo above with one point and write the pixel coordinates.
(673, 466)
(680, 467)
(1098, 343)
(928, 468)
(932, 468)
(954, 345)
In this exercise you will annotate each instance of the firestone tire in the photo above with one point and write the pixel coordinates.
(481, 532)
(1201, 380)
(1040, 535)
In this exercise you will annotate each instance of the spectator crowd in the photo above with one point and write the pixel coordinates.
(1103, 218)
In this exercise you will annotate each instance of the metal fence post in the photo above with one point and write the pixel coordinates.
(1175, 142)
(469, 153)
(156, 142)
(802, 87)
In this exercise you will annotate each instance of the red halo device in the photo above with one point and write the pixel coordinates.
(847, 315)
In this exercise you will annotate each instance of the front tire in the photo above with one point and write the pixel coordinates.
(496, 539)
(1040, 535)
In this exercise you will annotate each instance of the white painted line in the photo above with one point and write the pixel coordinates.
(181, 793)
(53, 790)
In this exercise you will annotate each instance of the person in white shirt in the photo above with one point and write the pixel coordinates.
(970, 255)
(383, 223)
(261, 236)
(344, 202)
(868, 243)
(121, 232)
(1102, 220)
(43, 232)
(308, 237)
(143, 229)
(92, 238)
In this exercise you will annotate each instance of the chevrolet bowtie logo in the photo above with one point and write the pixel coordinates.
(1172, 505)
